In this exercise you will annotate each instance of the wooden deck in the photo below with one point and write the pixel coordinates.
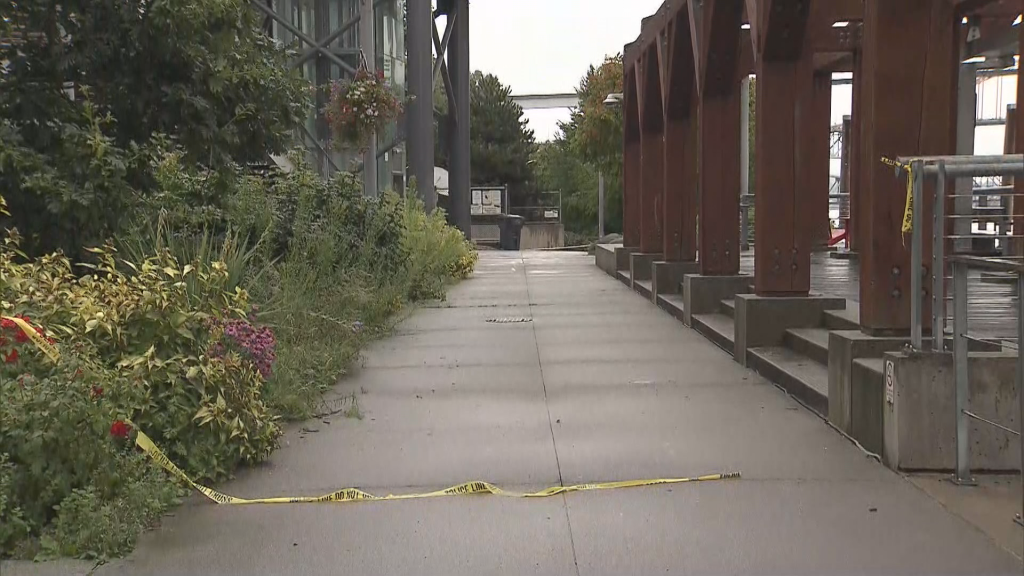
(992, 307)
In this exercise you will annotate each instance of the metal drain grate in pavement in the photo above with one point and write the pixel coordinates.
(514, 320)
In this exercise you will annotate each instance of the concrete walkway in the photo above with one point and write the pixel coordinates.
(599, 386)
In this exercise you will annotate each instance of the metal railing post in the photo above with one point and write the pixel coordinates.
(938, 261)
(916, 254)
(962, 473)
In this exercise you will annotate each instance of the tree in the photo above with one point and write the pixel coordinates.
(196, 75)
(588, 144)
(500, 143)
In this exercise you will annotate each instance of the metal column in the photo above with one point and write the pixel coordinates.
(916, 255)
(458, 67)
(966, 118)
(367, 45)
(962, 473)
(939, 260)
(420, 114)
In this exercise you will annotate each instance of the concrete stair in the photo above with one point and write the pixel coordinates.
(801, 376)
(718, 328)
(673, 304)
(644, 287)
(624, 277)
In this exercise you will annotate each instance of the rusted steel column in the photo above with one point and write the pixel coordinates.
(719, 174)
(782, 248)
(631, 194)
(652, 156)
(652, 160)
(630, 165)
(856, 169)
(909, 68)
(813, 162)
(680, 240)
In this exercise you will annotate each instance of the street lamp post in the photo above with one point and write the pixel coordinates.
(612, 101)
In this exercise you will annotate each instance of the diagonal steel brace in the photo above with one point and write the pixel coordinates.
(298, 33)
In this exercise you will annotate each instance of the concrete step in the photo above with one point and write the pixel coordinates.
(728, 307)
(868, 415)
(848, 319)
(644, 287)
(811, 342)
(797, 374)
(718, 328)
(624, 277)
(673, 304)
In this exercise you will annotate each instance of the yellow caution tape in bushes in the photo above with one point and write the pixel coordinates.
(353, 494)
(40, 341)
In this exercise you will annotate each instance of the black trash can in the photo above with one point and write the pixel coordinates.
(511, 228)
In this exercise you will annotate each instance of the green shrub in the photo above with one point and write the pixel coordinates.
(438, 253)
(151, 328)
(60, 434)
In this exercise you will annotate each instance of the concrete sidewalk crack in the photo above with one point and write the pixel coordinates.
(551, 427)
(540, 365)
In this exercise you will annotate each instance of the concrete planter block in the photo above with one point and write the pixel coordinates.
(919, 424)
(763, 321)
(640, 265)
(845, 346)
(622, 257)
(604, 255)
(667, 277)
(704, 294)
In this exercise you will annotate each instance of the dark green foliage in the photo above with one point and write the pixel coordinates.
(196, 75)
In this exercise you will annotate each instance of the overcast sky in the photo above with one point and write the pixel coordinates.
(545, 46)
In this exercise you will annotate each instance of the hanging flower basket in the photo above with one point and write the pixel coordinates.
(359, 107)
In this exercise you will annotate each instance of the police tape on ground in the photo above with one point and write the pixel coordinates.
(355, 494)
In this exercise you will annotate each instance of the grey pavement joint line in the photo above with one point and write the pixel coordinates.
(547, 406)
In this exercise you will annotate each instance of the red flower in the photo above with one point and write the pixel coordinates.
(97, 391)
(11, 357)
(20, 336)
(7, 324)
(120, 429)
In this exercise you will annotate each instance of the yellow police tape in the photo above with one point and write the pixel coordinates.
(908, 210)
(354, 494)
(44, 345)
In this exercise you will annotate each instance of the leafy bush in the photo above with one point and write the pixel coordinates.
(62, 437)
(438, 253)
(206, 409)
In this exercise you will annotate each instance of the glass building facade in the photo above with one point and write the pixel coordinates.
(318, 20)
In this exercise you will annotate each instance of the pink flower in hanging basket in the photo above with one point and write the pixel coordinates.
(359, 107)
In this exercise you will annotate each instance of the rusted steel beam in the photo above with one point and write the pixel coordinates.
(652, 155)
(719, 175)
(780, 28)
(681, 144)
(630, 162)
(987, 7)
(715, 29)
(786, 200)
(910, 72)
(844, 10)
